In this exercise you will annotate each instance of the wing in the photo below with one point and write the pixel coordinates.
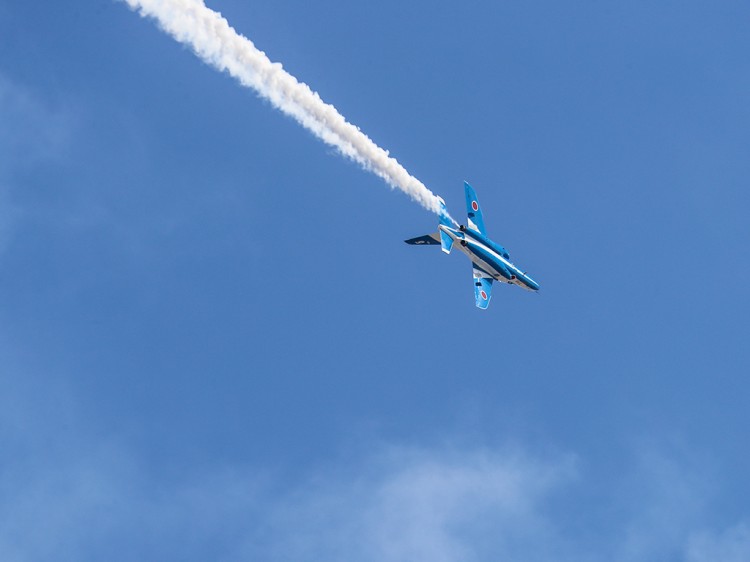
(476, 222)
(426, 240)
(482, 288)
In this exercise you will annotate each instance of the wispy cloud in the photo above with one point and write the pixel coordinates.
(663, 497)
(406, 503)
(69, 492)
(32, 132)
(730, 545)
(33, 129)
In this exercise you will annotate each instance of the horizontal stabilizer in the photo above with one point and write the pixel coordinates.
(446, 242)
(426, 240)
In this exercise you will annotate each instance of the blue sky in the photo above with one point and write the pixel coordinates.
(215, 345)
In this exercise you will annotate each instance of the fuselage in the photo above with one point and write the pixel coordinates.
(489, 257)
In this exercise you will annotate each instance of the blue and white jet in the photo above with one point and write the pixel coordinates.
(490, 261)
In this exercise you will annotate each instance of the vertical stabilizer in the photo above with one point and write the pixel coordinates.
(446, 241)
(444, 217)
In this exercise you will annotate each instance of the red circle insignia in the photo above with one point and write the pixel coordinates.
(484, 295)
(474, 205)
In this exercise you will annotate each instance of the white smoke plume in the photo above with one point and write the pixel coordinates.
(217, 43)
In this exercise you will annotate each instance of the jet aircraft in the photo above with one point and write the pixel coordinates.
(490, 261)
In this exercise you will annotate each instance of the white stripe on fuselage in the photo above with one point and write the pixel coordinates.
(484, 265)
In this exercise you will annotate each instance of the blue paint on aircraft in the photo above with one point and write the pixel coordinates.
(490, 261)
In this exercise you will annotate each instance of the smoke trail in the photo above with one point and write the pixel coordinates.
(216, 42)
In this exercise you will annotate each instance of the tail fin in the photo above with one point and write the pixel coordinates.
(444, 217)
(476, 222)
(446, 242)
(440, 237)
